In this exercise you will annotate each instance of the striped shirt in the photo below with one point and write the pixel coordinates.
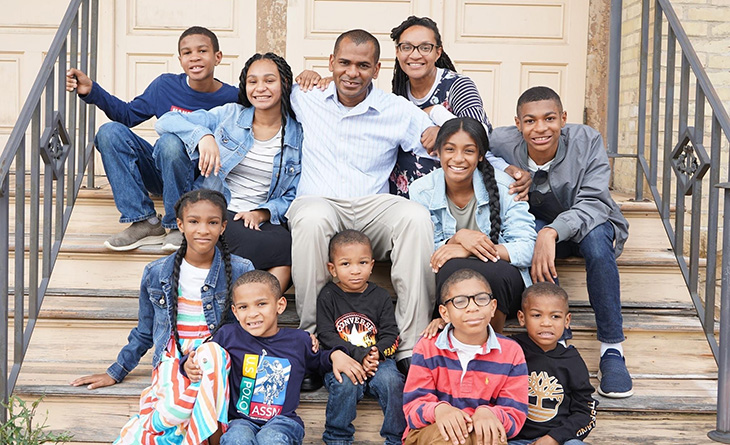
(459, 95)
(495, 378)
(250, 180)
(191, 322)
(350, 152)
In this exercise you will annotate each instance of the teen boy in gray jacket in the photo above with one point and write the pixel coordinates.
(574, 214)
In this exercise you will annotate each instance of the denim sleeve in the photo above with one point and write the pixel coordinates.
(140, 338)
(191, 127)
(518, 229)
(279, 205)
(497, 162)
(419, 191)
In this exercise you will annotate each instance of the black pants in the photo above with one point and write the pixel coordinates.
(266, 248)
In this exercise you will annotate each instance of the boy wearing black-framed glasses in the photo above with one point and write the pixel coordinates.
(468, 384)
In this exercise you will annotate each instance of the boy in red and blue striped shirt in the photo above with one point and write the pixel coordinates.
(468, 384)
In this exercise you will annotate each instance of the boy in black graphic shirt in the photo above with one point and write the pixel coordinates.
(360, 317)
(561, 409)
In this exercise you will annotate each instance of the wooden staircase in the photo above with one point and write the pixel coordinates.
(92, 305)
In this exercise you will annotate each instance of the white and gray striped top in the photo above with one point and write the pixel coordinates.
(250, 180)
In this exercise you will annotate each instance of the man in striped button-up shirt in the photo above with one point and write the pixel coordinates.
(351, 136)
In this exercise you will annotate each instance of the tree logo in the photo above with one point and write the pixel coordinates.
(545, 396)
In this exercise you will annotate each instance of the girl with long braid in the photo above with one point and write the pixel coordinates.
(183, 300)
(477, 224)
(250, 151)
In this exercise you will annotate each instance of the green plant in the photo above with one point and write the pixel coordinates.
(19, 428)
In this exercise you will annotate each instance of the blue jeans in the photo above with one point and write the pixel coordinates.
(278, 430)
(135, 169)
(386, 386)
(602, 280)
(529, 441)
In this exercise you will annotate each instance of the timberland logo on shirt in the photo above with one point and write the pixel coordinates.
(263, 386)
(544, 397)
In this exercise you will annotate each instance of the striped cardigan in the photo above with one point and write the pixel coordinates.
(495, 378)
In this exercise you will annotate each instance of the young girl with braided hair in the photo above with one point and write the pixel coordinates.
(183, 300)
(250, 151)
(477, 224)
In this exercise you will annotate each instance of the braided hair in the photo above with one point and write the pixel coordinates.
(476, 131)
(218, 200)
(286, 79)
(400, 78)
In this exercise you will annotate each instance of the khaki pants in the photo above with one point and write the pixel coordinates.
(400, 230)
(430, 435)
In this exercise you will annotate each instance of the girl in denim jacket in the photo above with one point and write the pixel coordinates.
(182, 302)
(477, 224)
(251, 151)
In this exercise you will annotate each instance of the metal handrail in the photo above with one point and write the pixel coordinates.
(57, 140)
(686, 165)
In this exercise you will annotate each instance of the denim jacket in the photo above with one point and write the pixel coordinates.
(231, 125)
(518, 225)
(155, 317)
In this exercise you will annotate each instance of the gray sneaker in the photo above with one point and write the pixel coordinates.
(140, 233)
(172, 241)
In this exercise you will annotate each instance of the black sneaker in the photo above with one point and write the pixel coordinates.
(311, 382)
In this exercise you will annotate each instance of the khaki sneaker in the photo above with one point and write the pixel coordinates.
(172, 241)
(140, 233)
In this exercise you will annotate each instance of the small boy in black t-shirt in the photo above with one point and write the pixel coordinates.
(359, 316)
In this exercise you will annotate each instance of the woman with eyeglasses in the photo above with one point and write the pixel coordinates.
(477, 224)
(425, 75)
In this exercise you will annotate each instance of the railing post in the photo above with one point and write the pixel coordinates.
(4, 281)
(722, 431)
(614, 76)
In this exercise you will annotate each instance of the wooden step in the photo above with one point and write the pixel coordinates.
(611, 429)
(93, 298)
(652, 348)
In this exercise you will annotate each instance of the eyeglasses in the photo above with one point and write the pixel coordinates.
(423, 48)
(462, 301)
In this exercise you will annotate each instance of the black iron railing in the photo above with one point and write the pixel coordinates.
(690, 158)
(41, 170)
